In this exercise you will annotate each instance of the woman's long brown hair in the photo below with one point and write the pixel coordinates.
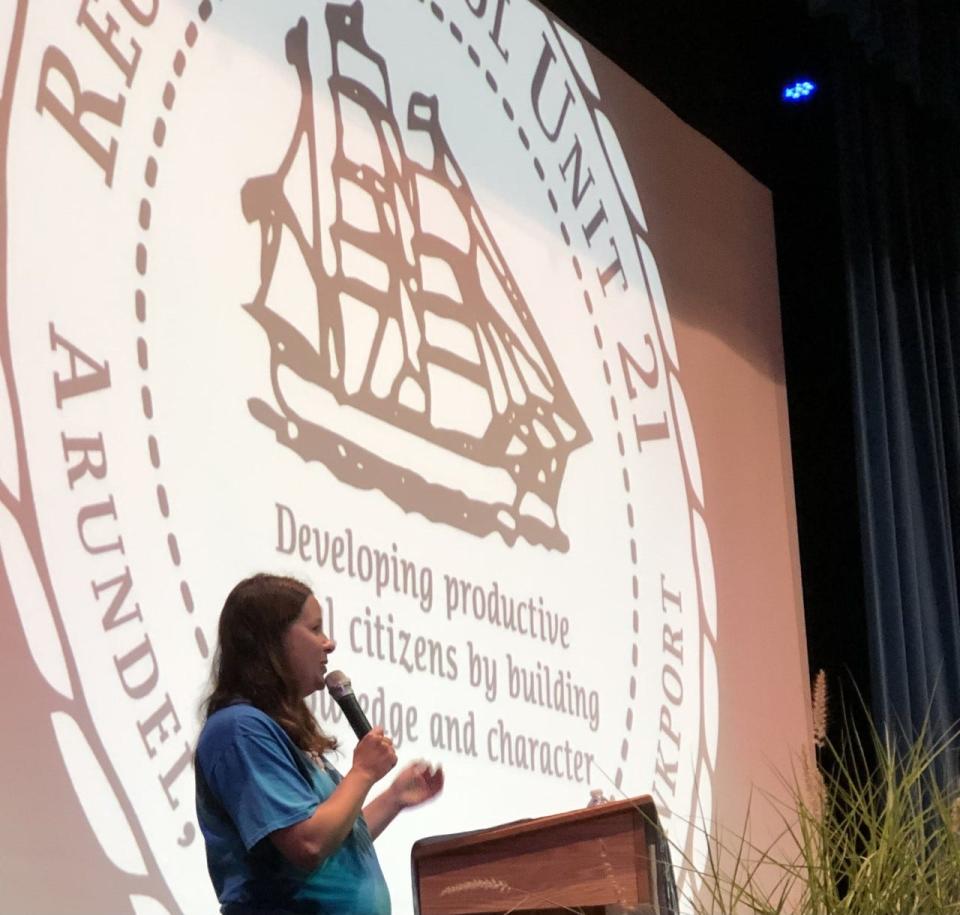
(249, 664)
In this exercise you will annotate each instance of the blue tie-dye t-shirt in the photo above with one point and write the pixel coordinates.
(252, 780)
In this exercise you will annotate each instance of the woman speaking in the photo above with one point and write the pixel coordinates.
(285, 833)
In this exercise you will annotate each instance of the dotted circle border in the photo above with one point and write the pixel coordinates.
(151, 168)
(141, 262)
(457, 34)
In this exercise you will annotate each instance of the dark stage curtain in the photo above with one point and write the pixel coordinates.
(895, 80)
(918, 39)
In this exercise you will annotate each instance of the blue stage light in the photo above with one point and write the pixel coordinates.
(799, 91)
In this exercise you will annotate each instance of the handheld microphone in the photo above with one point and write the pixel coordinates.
(338, 683)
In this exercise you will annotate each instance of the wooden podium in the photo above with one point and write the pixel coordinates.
(604, 859)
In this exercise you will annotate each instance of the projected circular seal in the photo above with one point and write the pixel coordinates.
(389, 321)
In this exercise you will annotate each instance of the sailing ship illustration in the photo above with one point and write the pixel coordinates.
(403, 355)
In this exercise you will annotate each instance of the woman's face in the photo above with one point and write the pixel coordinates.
(306, 648)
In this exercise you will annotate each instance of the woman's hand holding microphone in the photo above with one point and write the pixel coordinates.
(374, 755)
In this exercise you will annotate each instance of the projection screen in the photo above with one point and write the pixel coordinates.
(427, 304)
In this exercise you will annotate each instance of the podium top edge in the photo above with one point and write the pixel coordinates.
(642, 805)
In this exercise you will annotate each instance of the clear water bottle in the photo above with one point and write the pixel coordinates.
(596, 798)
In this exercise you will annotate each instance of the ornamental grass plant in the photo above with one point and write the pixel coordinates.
(871, 829)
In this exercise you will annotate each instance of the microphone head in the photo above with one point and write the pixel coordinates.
(338, 683)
